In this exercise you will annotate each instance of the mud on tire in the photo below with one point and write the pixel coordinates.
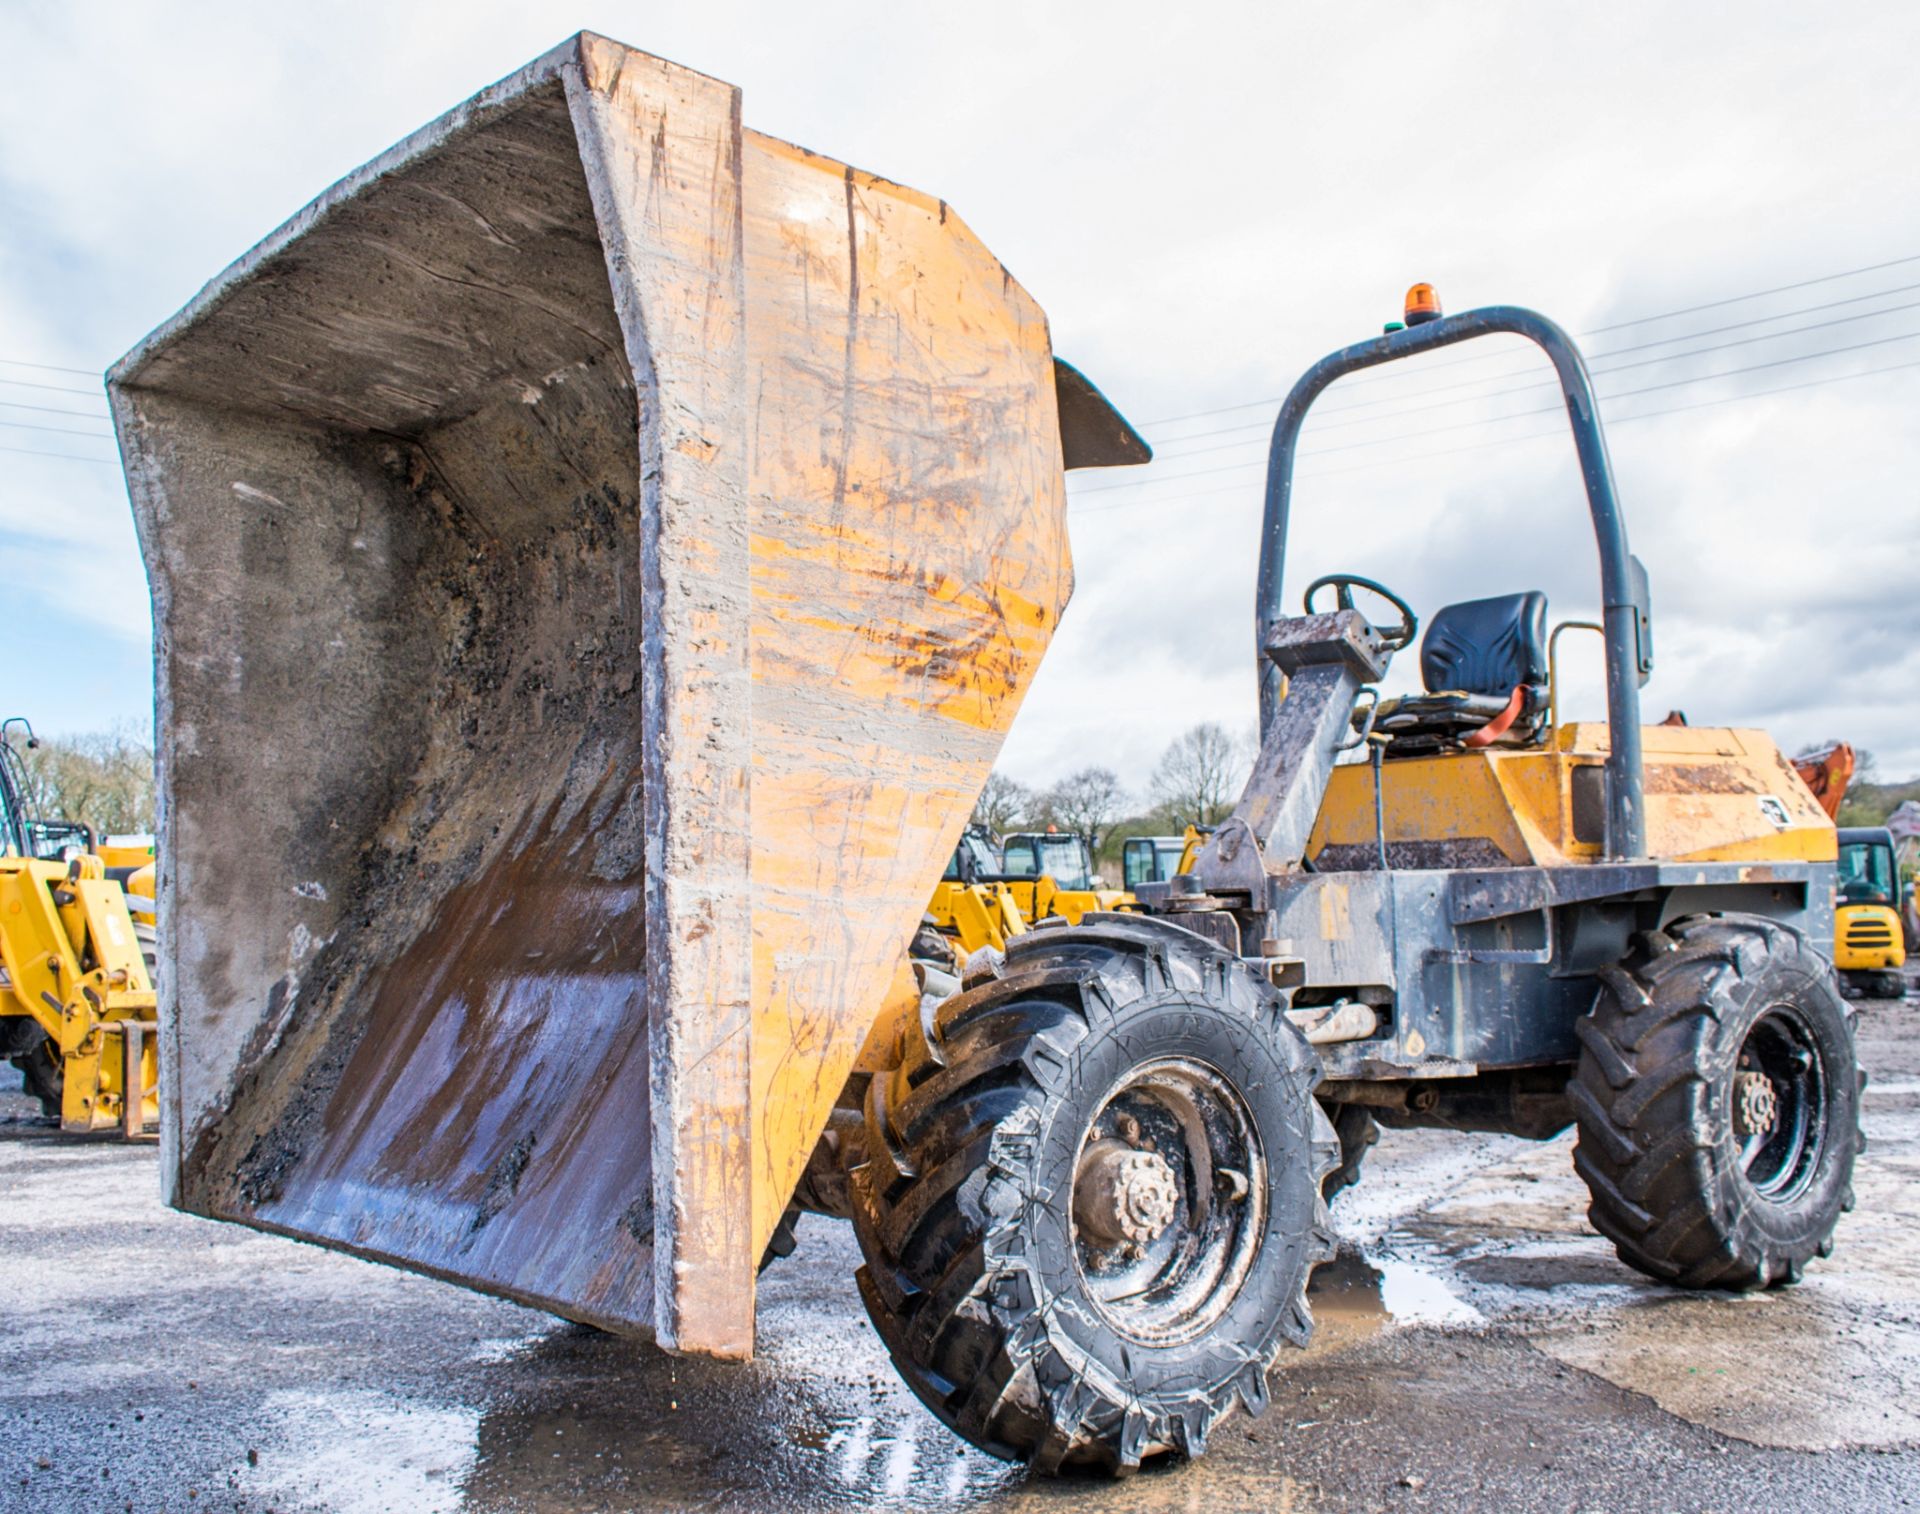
(1718, 1104)
(997, 1301)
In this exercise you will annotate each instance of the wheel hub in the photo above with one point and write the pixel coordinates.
(1169, 1202)
(1778, 1097)
(1756, 1105)
(1122, 1196)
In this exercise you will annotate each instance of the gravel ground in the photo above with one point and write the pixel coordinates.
(1477, 1348)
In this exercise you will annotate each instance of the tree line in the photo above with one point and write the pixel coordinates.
(1197, 781)
(104, 780)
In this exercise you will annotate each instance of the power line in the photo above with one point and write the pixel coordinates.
(1545, 383)
(1644, 320)
(87, 415)
(1665, 341)
(1497, 441)
(15, 362)
(59, 430)
(50, 388)
(72, 457)
(1760, 294)
(1518, 414)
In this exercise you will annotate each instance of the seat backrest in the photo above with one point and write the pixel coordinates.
(1486, 646)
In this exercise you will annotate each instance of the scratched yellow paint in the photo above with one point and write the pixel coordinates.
(909, 566)
(1336, 916)
(1705, 789)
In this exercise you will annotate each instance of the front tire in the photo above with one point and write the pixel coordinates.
(43, 1073)
(1718, 1102)
(1092, 1197)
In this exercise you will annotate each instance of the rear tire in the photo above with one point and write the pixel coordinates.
(1718, 1103)
(1120, 1052)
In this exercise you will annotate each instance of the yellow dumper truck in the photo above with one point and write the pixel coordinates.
(665, 523)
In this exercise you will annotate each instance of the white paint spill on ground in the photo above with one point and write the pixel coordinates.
(1833, 1362)
(495, 1350)
(361, 1452)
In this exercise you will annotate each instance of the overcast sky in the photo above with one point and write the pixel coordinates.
(1205, 199)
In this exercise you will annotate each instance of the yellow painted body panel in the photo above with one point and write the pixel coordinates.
(141, 889)
(1712, 796)
(1042, 899)
(975, 915)
(1866, 938)
(72, 964)
(908, 570)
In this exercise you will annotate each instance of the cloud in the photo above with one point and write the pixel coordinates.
(1205, 202)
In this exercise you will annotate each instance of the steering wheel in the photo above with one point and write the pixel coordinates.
(1343, 585)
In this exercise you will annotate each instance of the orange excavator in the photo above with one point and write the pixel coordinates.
(1827, 773)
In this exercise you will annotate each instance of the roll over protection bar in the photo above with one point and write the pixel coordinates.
(1623, 582)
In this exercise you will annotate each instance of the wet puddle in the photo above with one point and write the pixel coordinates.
(1362, 1292)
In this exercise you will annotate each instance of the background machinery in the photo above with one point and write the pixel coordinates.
(989, 893)
(1050, 875)
(77, 1008)
(658, 619)
(1827, 772)
(1869, 933)
(1869, 943)
(972, 906)
(1155, 859)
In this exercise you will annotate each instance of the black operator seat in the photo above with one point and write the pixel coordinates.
(1484, 664)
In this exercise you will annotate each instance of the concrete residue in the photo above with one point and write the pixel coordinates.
(364, 1453)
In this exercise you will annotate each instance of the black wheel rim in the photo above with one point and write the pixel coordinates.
(1188, 1136)
(1778, 1098)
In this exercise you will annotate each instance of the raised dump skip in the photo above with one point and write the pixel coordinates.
(596, 553)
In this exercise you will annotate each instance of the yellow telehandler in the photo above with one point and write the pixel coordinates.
(1869, 933)
(666, 524)
(973, 905)
(989, 894)
(1051, 875)
(77, 1007)
(1870, 948)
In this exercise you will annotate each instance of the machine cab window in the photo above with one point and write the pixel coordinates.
(1151, 859)
(972, 859)
(1062, 858)
(1865, 871)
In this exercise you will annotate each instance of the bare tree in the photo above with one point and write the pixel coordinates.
(1199, 776)
(1085, 803)
(104, 780)
(1002, 802)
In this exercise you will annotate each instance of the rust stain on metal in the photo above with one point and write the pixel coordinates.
(1701, 778)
